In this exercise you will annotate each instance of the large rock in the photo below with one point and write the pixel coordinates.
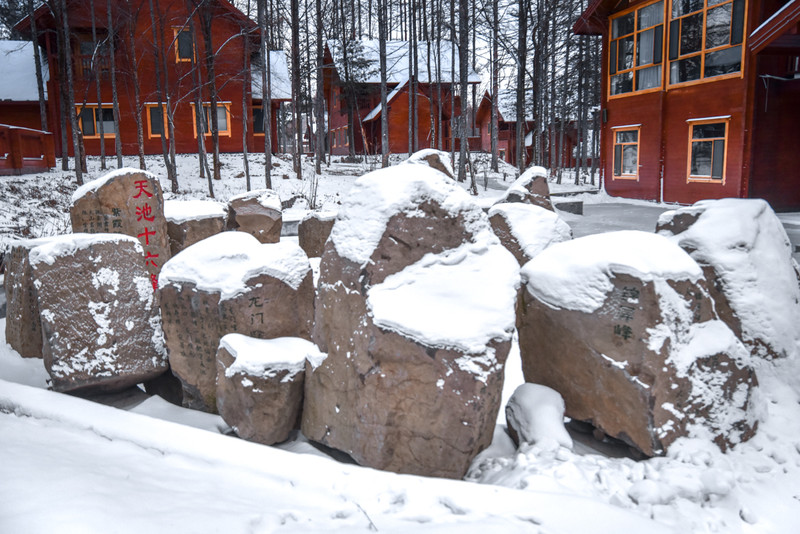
(190, 221)
(416, 332)
(260, 384)
(258, 213)
(313, 232)
(622, 325)
(23, 327)
(230, 283)
(530, 188)
(526, 230)
(746, 257)
(126, 201)
(435, 159)
(100, 324)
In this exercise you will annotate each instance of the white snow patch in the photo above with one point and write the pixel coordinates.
(535, 228)
(106, 277)
(267, 357)
(536, 413)
(418, 158)
(266, 198)
(96, 184)
(180, 211)
(69, 244)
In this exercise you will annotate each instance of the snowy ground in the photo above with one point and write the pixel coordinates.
(71, 465)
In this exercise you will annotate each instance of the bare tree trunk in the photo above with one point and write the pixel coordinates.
(296, 157)
(245, 104)
(135, 82)
(73, 117)
(206, 21)
(320, 100)
(266, 102)
(382, 54)
(463, 51)
(199, 114)
(38, 60)
(96, 69)
(114, 95)
(161, 86)
(522, 57)
(495, 84)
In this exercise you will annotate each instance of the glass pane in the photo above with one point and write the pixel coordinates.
(648, 78)
(629, 136)
(258, 120)
(156, 121)
(715, 2)
(701, 158)
(719, 159)
(86, 48)
(691, 34)
(622, 25)
(683, 7)
(684, 70)
(724, 61)
(644, 50)
(87, 122)
(625, 53)
(107, 116)
(651, 15)
(718, 26)
(630, 161)
(222, 119)
(185, 44)
(708, 131)
(622, 83)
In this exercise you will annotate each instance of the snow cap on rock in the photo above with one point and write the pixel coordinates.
(534, 228)
(436, 159)
(266, 197)
(536, 414)
(224, 262)
(179, 211)
(96, 184)
(595, 259)
(268, 357)
(65, 245)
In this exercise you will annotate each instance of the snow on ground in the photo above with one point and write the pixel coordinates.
(70, 465)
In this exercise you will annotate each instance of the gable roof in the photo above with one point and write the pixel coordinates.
(280, 83)
(18, 82)
(365, 61)
(772, 31)
(376, 112)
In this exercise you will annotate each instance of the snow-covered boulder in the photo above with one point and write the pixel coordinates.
(622, 325)
(535, 414)
(258, 213)
(415, 309)
(530, 188)
(313, 231)
(126, 201)
(260, 384)
(230, 283)
(435, 159)
(190, 221)
(747, 259)
(23, 327)
(526, 229)
(100, 324)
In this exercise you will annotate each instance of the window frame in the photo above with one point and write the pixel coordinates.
(254, 108)
(724, 119)
(704, 51)
(207, 105)
(635, 34)
(165, 129)
(176, 31)
(94, 108)
(619, 129)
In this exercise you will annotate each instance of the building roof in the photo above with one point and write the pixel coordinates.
(376, 112)
(280, 82)
(773, 32)
(18, 82)
(593, 19)
(365, 61)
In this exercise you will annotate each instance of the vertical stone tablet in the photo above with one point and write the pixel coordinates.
(126, 201)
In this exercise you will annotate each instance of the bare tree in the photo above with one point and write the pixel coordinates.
(113, 73)
(38, 60)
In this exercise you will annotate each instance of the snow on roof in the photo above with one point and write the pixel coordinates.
(265, 197)
(179, 211)
(280, 82)
(68, 244)
(507, 105)
(377, 110)
(224, 262)
(747, 245)
(97, 183)
(535, 228)
(268, 357)
(18, 82)
(576, 275)
(378, 195)
(365, 61)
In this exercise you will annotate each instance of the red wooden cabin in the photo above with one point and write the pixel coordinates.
(701, 98)
(435, 84)
(232, 74)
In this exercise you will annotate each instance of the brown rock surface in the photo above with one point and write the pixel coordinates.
(23, 327)
(625, 330)
(258, 213)
(190, 221)
(230, 283)
(391, 393)
(530, 188)
(260, 385)
(126, 201)
(526, 230)
(100, 324)
(435, 159)
(313, 231)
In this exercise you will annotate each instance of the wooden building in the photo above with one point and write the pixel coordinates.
(181, 49)
(358, 79)
(701, 98)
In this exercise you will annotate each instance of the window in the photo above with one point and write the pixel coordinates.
(156, 120)
(626, 153)
(184, 45)
(258, 120)
(223, 119)
(89, 57)
(636, 50)
(89, 118)
(705, 39)
(707, 150)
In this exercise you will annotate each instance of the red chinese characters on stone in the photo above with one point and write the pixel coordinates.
(147, 233)
(141, 187)
(149, 259)
(145, 212)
